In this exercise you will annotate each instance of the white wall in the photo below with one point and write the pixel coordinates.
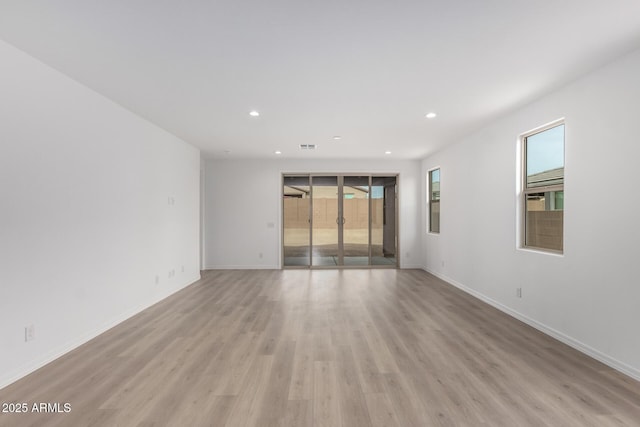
(85, 219)
(234, 238)
(590, 296)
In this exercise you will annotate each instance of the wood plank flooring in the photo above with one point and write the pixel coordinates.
(325, 348)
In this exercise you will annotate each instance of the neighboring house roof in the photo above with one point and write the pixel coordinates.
(544, 178)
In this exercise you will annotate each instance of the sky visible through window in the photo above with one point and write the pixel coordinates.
(545, 150)
(435, 175)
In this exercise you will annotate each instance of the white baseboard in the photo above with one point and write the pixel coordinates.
(412, 267)
(277, 267)
(242, 267)
(52, 355)
(571, 342)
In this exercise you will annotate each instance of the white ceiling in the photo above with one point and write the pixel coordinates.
(365, 70)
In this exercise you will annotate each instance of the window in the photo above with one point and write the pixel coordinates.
(434, 201)
(543, 188)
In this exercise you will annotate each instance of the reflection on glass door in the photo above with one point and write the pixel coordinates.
(325, 222)
(355, 214)
(296, 236)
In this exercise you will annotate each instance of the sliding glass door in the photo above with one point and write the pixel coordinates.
(325, 222)
(296, 218)
(339, 220)
(355, 220)
(383, 221)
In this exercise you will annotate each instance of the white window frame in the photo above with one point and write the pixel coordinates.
(524, 190)
(429, 201)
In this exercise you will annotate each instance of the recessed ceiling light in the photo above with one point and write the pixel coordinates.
(254, 113)
(278, 152)
(337, 137)
(431, 115)
(387, 152)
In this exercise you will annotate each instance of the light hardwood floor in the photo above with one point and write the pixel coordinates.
(325, 348)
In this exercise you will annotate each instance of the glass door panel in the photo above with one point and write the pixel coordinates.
(383, 220)
(355, 220)
(296, 236)
(325, 221)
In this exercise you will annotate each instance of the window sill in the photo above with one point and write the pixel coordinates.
(541, 251)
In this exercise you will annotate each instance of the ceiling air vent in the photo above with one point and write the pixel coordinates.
(307, 146)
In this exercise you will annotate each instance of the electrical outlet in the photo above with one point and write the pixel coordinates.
(29, 333)
(182, 268)
(519, 292)
(260, 255)
(157, 279)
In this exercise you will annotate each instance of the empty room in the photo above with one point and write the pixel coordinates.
(343, 213)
